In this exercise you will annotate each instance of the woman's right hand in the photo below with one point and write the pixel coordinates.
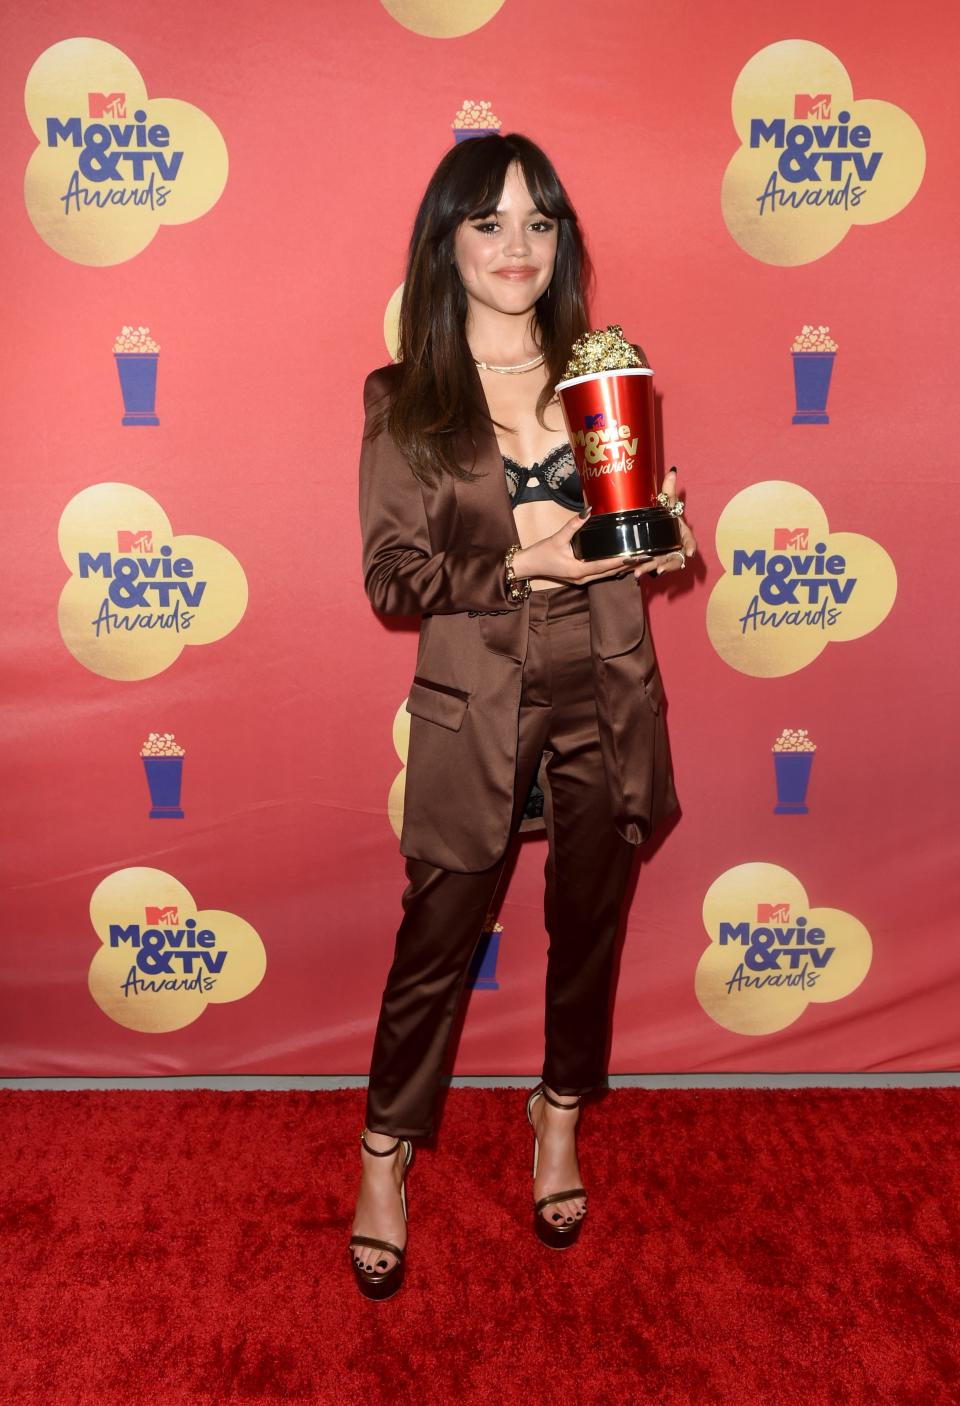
(553, 557)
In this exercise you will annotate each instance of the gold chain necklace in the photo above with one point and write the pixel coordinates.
(509, 370)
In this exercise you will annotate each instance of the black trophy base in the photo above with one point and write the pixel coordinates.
(648, 531)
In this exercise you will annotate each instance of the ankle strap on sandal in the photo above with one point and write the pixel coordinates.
(388, 1152)
(578, 1099)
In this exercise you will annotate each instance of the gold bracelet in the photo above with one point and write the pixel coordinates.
(517, 590)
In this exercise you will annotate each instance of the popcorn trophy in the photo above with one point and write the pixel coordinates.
(606, 396)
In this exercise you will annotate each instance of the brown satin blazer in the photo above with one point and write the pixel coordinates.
(438, 552)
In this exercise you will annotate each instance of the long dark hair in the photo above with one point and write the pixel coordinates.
(435, 398)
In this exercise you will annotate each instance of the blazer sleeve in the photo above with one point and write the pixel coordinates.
(402, 575)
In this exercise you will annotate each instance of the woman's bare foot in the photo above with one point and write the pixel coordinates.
(379, 1210)
(557, 1166)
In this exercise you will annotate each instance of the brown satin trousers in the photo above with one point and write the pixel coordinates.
(587, 870)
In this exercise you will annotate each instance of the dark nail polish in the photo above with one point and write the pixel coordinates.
(556, 1215)
(569, 1220)
(381, 1264)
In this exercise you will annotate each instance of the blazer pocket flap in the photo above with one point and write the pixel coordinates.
(436, 704)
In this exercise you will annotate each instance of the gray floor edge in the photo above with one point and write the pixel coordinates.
(504, 1081)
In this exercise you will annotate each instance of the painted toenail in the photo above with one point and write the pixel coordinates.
(557, 1216)
(381, 1264)
(368, 1268)
(569, 1219)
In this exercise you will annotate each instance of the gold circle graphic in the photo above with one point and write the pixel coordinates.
(100, 221)
(786, 222)
(140, 645)
(769, 640)
(391, 322)
(768, 999)
(398, 787)
(442, 19)
(226, 966)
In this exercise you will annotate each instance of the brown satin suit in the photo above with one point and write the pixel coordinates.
(569, 672)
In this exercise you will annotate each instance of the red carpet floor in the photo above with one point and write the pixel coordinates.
(757, 1246)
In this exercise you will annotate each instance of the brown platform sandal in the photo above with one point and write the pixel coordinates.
(558, 1237)
(371, 1284)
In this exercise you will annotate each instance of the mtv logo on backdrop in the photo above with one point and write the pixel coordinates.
(141, 542)
(773, 912)
(107, 104)
(786, 537)
(807, 106)
(156, 916)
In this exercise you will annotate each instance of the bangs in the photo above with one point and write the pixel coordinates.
(545, 190)
(484, 171)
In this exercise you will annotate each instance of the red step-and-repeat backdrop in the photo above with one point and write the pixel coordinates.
(205, 219)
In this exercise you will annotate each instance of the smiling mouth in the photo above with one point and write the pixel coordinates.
(516, 273)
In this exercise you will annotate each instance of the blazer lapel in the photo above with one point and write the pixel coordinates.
(486, 519)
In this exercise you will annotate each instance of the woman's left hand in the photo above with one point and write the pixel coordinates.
(671, 561)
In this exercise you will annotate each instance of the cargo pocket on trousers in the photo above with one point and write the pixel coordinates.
(437, 703)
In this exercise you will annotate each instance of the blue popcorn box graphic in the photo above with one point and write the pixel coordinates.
(138, 386)
(165, 780)
(463, 134)
(792, 771)
(811, 384)
(482, 975)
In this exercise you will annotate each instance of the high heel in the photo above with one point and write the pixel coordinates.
(558, 1237)
(371, 1284)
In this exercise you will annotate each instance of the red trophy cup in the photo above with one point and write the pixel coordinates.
(607, 401)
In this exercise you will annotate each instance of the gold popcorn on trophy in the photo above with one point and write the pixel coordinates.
(599, 351)
(606, 396)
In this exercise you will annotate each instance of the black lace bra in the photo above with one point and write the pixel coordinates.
(554, 477)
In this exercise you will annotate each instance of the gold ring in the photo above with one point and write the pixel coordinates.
(674, 509)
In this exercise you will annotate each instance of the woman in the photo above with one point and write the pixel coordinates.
(469, 502)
